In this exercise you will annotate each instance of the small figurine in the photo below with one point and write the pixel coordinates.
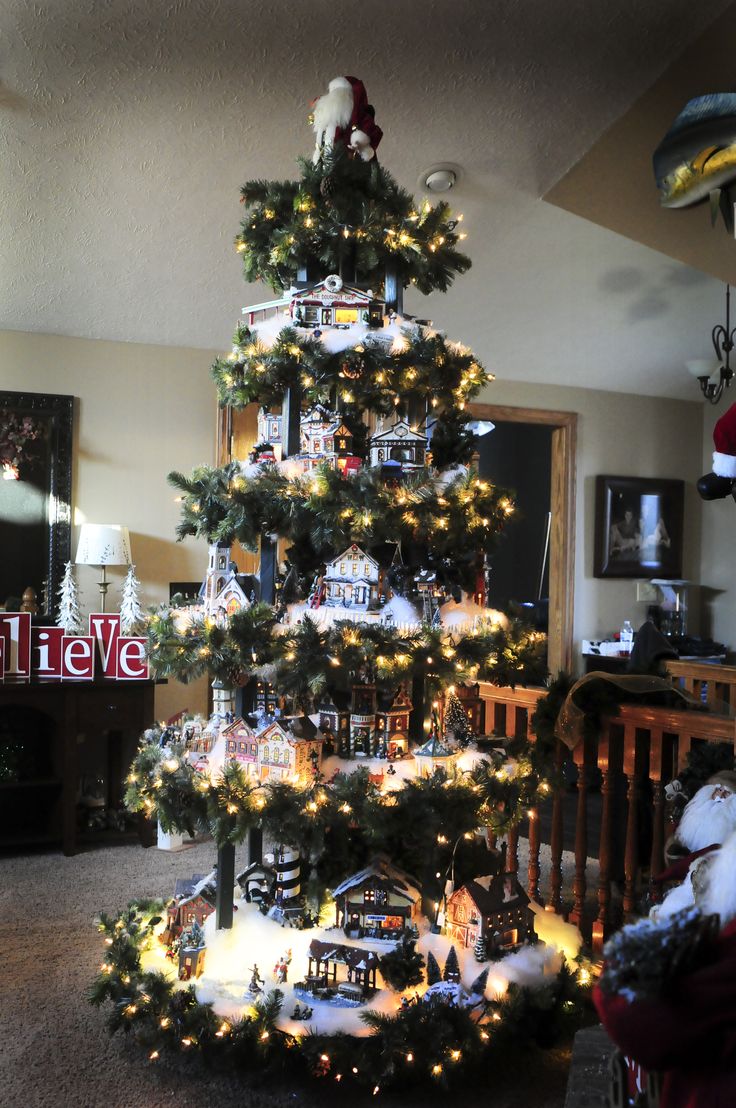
(256, 981)
(281, 969)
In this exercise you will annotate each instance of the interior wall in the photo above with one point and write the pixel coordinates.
(623, 436)
(141, 412)
(145, 410)
(719, 539)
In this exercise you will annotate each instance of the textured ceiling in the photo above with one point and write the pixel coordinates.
(126, 129)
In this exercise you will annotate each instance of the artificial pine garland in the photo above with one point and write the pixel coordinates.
(366, 218)
(433, 1045)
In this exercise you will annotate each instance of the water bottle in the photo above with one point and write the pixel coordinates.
(626, 637)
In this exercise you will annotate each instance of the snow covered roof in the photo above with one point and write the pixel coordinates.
(353, 551)
(198, 885)
(236, 727)
(385, 871)
(487, 893)
(353, 956)
(434, 748)
(256, 868)
(399, 430)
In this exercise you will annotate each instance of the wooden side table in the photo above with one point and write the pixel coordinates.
(50, 730)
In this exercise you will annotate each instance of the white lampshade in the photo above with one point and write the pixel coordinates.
(703, 367)
(103, 544)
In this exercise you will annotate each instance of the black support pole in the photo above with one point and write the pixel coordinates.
(225, 885)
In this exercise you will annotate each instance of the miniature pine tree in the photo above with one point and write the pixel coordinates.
(403, 966)
(479, 985)
(132, 616)
(69, 616)
(479, 949)
(456, 720)
(452, 967)
(433, 969)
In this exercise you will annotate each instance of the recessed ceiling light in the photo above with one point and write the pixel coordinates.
(439, 178)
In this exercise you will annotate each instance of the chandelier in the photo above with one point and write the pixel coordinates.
(714, 376)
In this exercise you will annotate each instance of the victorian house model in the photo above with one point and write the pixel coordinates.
(366, 723)
(353, 580)
(494, 909)
(288, 748)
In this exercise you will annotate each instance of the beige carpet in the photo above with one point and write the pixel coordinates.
(54, 1047)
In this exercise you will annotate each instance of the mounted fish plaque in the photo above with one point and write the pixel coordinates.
(696, 159)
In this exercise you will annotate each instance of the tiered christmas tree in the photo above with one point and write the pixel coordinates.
(335, 662)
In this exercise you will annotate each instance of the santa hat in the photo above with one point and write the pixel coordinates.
(720, 481)
(724, 440)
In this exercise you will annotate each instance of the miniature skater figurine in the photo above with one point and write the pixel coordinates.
(256, 981)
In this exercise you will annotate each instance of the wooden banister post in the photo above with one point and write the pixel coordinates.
(581, 835)
(656, 863)
(600, 927)
(631, 855)
(555, 877)
(533, 870)
(512, 859)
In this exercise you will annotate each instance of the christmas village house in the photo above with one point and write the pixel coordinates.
(224, 590)
(289, 748)
(493, 909)
(194, 901)
(353, 580)
(326, 303)
(366, 722)
(380, 901)
(401, 444)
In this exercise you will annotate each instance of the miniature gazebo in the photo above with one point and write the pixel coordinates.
(434, 755)
(324, 958)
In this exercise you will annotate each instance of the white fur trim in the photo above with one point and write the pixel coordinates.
(366, 153)
(339, 82)
(359, 138)
(724, 465)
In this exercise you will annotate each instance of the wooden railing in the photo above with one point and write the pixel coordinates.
(621, 773)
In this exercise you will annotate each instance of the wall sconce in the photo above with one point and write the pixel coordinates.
(715, 375)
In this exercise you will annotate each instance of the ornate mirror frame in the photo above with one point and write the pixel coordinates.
(54, 414)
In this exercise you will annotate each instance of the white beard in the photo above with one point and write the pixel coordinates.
(719, 887)
(332, 110)
(706, 820)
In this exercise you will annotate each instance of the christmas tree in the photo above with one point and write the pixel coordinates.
(132, 616)
(370, 526)
(69, 616)
(404, 965)
(456, 721)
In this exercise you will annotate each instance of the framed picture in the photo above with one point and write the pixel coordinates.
(638, 527)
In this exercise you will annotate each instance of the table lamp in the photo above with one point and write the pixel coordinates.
(103, 544)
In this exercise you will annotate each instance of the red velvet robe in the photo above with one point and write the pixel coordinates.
(689, 1037)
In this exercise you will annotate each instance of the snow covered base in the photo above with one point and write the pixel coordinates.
(257, 940)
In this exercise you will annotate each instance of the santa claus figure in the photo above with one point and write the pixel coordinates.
(707, 821)
(722, 479)
(686, 1028)
(343, 115)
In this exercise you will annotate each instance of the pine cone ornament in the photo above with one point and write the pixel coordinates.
(327, 188)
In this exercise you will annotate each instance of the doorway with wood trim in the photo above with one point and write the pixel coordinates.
(562, 529)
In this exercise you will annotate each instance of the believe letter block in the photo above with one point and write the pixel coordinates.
(78, 657)
(15, 631)
(131, 657)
